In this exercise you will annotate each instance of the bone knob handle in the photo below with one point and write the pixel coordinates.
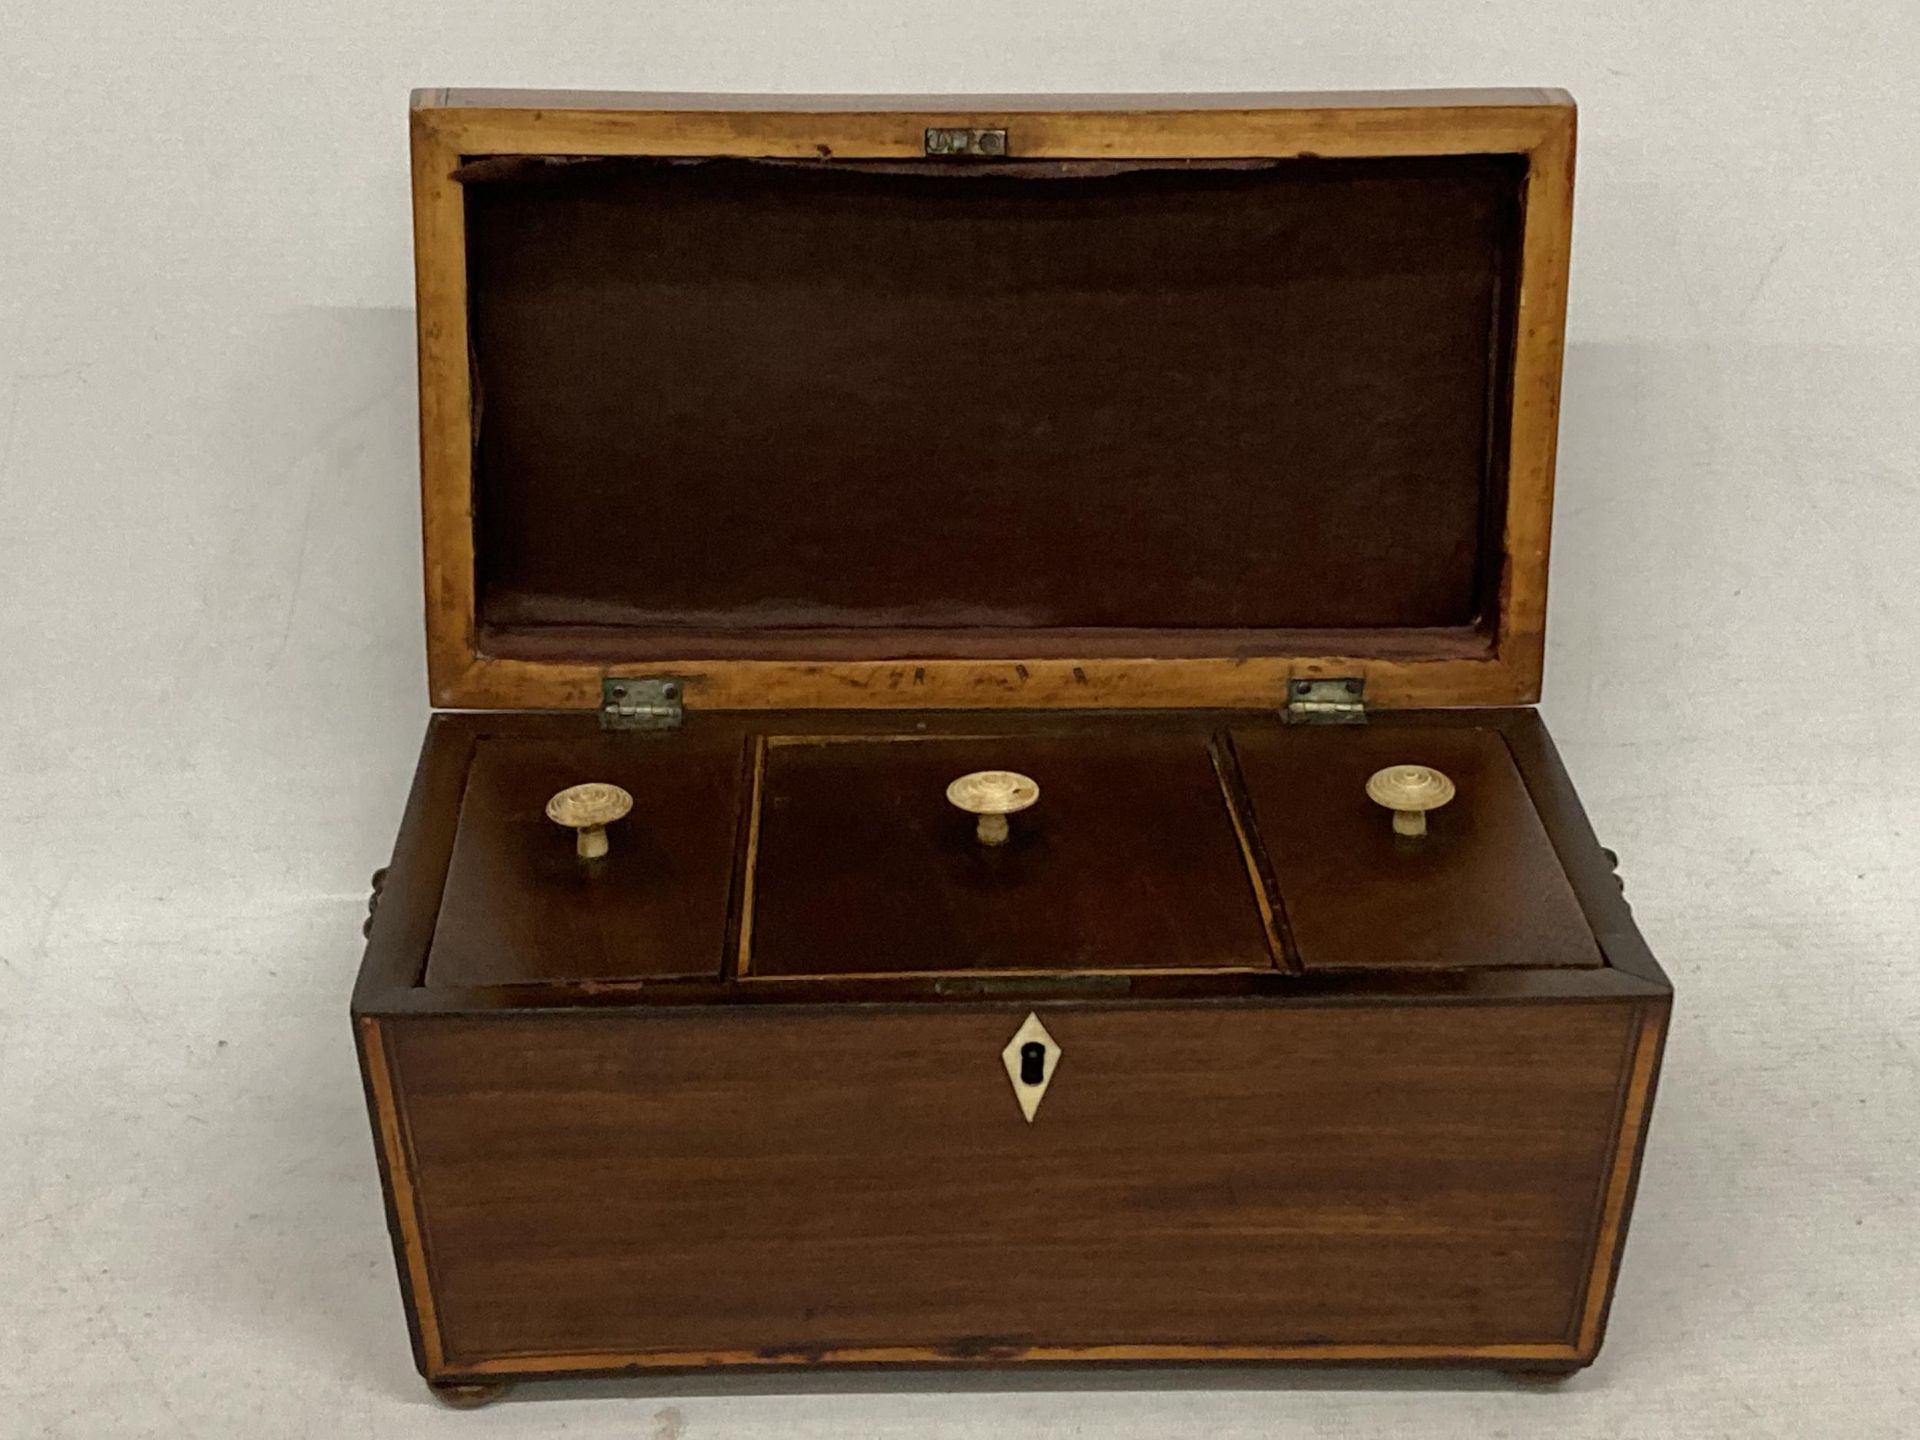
(1409, 791)
(587, 810)
(992, 795)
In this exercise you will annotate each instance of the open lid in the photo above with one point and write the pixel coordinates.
(887, 402)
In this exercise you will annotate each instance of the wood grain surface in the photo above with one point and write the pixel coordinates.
(1395, 1163)
(521, 906)
(1483, 887)
(591, 1192)
(1129, 861)
(487, 901)
(1497, 663)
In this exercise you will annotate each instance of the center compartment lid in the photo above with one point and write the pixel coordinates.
(1171, 402)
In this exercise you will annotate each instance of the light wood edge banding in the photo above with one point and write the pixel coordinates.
(460, 676)
(779, 742)
(1557, 1353)
(893, 130)
(1534, 424)
(402, 1198)
(1032, 973)
(1225, 768)
(1619, 1183)
(750, 865)
(467, 681)
(893, 103)
(446, 406)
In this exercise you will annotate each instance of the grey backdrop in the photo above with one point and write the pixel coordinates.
(211, 687)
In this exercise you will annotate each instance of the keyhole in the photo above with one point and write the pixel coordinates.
(1033, 1063)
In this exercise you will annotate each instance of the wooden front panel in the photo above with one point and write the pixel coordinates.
(773, 1187)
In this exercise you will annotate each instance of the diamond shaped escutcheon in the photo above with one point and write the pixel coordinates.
(1031, 1057)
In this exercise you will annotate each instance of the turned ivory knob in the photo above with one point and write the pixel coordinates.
(992, 795)
(587, 810)
(1409, 791)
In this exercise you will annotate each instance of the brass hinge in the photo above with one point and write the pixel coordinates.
(652, 703)
(978, 144)
(1338, 701)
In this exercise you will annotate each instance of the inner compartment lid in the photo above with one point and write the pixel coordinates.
(1165, 407)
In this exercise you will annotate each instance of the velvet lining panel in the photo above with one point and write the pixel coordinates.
(759, 402)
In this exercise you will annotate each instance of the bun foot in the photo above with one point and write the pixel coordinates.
(470, 1397)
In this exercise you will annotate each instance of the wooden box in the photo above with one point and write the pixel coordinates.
(784, 460)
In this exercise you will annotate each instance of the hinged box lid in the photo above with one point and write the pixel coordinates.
(981, 402)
